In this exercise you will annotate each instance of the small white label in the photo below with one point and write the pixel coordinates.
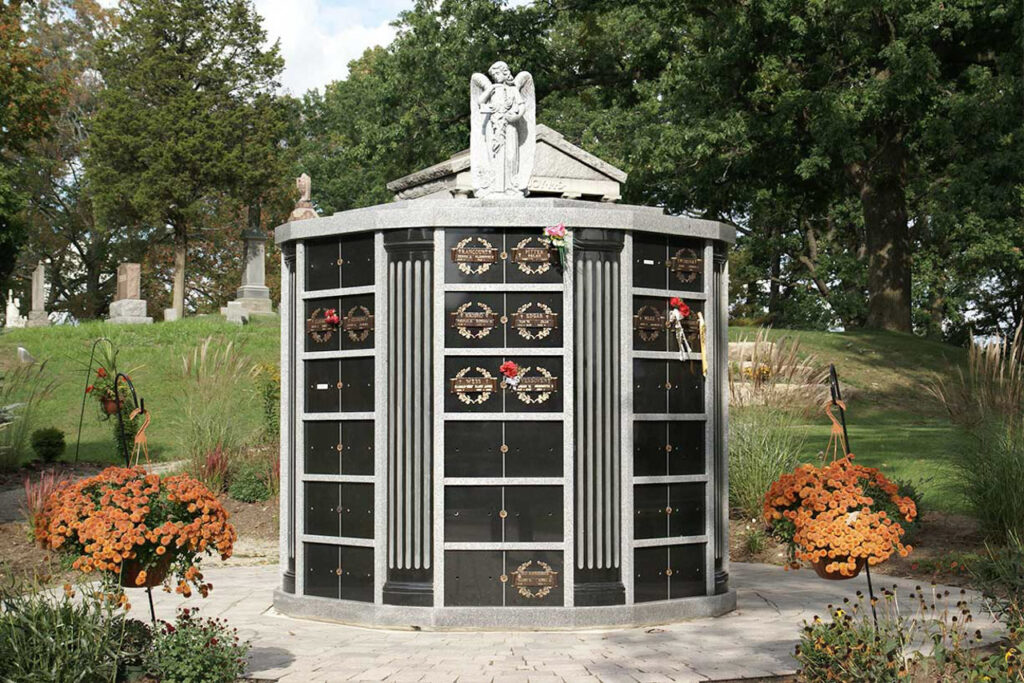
(648, 262)
(321, 387)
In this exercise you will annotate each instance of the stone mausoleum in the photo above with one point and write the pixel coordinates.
(486, 427)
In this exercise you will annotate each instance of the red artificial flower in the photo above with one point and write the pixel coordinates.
(680, 305)
(331, 316)
(100, 372)
(509, 369)
(675, 302)
(89, 389)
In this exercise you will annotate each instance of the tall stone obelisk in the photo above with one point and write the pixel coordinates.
(253, 297)
(37, 316)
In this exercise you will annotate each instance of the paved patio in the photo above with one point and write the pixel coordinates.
(756, 640)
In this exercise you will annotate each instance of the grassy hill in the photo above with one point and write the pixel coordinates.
(152, 356)
(894, 423)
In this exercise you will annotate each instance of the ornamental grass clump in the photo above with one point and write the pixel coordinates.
(128, 523)
(839, 515)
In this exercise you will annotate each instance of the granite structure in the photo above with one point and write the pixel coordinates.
(37, 315)
(128, 307)
(486, 427)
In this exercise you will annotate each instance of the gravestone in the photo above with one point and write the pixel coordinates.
(37, 316)
(128, 307)
(253, 296)
(14, 318)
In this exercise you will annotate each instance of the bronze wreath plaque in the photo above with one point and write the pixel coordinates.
(534, 324)
(535, 389)
(534, 259)
(474, 260)
(649, 323)
(686, 265)
(534, 583)
(473, 389)
(473, 324)
(318, 328)
(358, 322)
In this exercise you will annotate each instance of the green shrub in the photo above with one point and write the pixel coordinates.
(47, 638)
(849, 648)
(764, 443)
(196, 650)
(48, 443)
(999, 575)
(268, 384)
(254, 478)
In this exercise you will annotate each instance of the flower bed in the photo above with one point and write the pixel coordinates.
(125, 521)
(839, 516)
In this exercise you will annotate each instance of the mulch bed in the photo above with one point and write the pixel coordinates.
(939, 548)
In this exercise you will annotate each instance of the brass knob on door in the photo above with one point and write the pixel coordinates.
(503, 514)
(503, 578)
(338, 571)
(340, 385)
(668, 572)
(339, 448)
(340, 262)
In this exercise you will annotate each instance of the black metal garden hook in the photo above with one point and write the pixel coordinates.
(138, 403)
(837, 401)
(85, 393)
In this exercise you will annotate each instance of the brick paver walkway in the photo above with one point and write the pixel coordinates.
(756, 640)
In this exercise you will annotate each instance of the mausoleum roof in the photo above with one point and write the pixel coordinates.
(561, 169)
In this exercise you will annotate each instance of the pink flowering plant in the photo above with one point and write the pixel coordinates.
(558, 237)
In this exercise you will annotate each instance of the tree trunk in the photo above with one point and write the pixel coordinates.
(180, 252)
(884, 202)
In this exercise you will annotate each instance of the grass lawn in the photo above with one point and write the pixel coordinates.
(152, 356)
(894, 423)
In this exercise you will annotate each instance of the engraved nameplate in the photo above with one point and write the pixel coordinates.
(474, 324)
(473, 389)
(686, 265)
(358, 323)
(533, 255)
(534, 583)
(474, 255)
(537, 384)
(534, 321)
(649, 323)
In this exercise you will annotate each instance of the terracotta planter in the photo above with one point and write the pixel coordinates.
(109, 406)
(155, 575)
(819, 568)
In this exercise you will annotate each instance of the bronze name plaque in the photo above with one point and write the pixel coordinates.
(534, 388)
(686, 265)
(473, 324)
(474, 255)
(358, 323)
(318, 328)
(533, 256)
(473, 389)
(649, 323)
(534, 321)
(534, 583)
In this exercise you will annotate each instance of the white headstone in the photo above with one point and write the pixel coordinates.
(13, 317)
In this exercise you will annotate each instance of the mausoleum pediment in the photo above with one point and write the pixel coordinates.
(560, 169)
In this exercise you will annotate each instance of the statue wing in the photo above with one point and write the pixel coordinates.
(478, 158)
(527, 126)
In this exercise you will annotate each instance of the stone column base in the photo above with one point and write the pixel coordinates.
(170, 315)
(38, 319)
(129, 312)
(252, 306)
(236, 313)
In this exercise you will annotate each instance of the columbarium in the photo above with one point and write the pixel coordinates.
(504, 395)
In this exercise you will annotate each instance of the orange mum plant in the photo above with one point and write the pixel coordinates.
(138, 527)
(839, 515)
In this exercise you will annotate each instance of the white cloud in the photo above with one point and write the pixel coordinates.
(319, 39)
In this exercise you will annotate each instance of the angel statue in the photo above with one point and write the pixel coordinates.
(503, 131)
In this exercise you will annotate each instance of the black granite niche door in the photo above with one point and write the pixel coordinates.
(355, 510)
(685, 264)
(473, 449)
(650, 314)
(532, 513)
(533, 449)
(323, 508)
(473, 514)
(474, 320)
(472, 578)
(650, 574)
(534, 319)
(686, 387)
(687, 565)
(320, 334)
(344, 385)
(530, 259)
(688, 506)
(686, 440)
(345, 262)
(534, 578)
(339, 447)
(358, 321)
(334, 571)
(540, 388)
(473, 256)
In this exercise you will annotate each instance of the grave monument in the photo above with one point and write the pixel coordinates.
(37, 316)
(128, 306)
(13, 318)
(504, 396)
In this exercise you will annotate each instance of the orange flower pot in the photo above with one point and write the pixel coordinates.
(109, 406)
(155, 575)
(819, 569)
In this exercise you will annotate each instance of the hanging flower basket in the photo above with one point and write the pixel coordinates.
(154, 576)
(821, 568)
(109, 406)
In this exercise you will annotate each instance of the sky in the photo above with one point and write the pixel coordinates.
(320, 37)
